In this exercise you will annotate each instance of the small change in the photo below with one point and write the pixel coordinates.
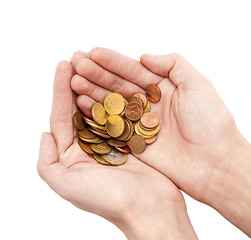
(119, 126)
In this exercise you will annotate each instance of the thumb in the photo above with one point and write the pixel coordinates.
(48, 150)
(173, 66)
(48, 167)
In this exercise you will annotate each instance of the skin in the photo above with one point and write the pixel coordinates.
(199, 146)
(142, 202)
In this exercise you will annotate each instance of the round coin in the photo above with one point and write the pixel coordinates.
(149, 120)
(137, 144)
(85, 147)
(100, 159)
(135, 99)
(115, 157)
(133, 111)
(98, 113)
(141, 134)
(131, 129)
(116, 143)
(99, 133)
(115, 126)
(142, 97)
(148, 133)
(86, 134)
(151, 140)
(114, 103)
(126, 132)
(96, 139)
(153, 93)
(78, 121)
(96, 126)
(125, 149)
(100, 148)
(147, 108)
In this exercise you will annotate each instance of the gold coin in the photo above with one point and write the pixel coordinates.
(148, 133)
(114, 103)
(85, 147)
(100, 159)
(147, 108)
(92, 140)
(98, 113)
(86, 134)
(115, 125)
(141, 134)
(100, 148)
(96, 126)
(115, 157)
(122, 114)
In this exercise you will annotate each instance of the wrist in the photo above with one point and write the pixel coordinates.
(230, 187)
(170, 224)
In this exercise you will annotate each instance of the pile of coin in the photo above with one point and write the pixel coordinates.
(119, 126)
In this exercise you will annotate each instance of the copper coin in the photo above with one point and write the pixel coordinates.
(88, 119)
(149, 120)
(85, 147)
(144, 128)
(99, 133)
(133, 111)
(78, 121)
(86, 134)
(151, 140)
(126, 132)
(131, 129)
(96, 139)
(125, 149)
(142, 97)
(116, 143)
(153, 93)
(137, 144)
(100, 148)
(135, 99)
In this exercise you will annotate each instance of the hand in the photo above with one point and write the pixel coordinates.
(139, 200)
(198, 141)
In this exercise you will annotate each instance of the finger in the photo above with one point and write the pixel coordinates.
(100, 76)
(48, 167)
(62, 107)
(76, 57)
(173, 66)
(75, 155)
(125, 67)
(82, 86)
(85, 104)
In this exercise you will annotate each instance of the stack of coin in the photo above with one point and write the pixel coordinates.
(119, 126)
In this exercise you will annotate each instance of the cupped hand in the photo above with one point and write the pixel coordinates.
(197, 134)
(131, 196)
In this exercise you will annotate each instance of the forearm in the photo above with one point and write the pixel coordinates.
(230, 192)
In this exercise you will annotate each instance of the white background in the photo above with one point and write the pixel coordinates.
(213, 35)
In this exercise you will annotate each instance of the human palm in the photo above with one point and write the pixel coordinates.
(196, 127)
(115, 193)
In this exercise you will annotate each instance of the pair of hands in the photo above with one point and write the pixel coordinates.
(195, 144)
